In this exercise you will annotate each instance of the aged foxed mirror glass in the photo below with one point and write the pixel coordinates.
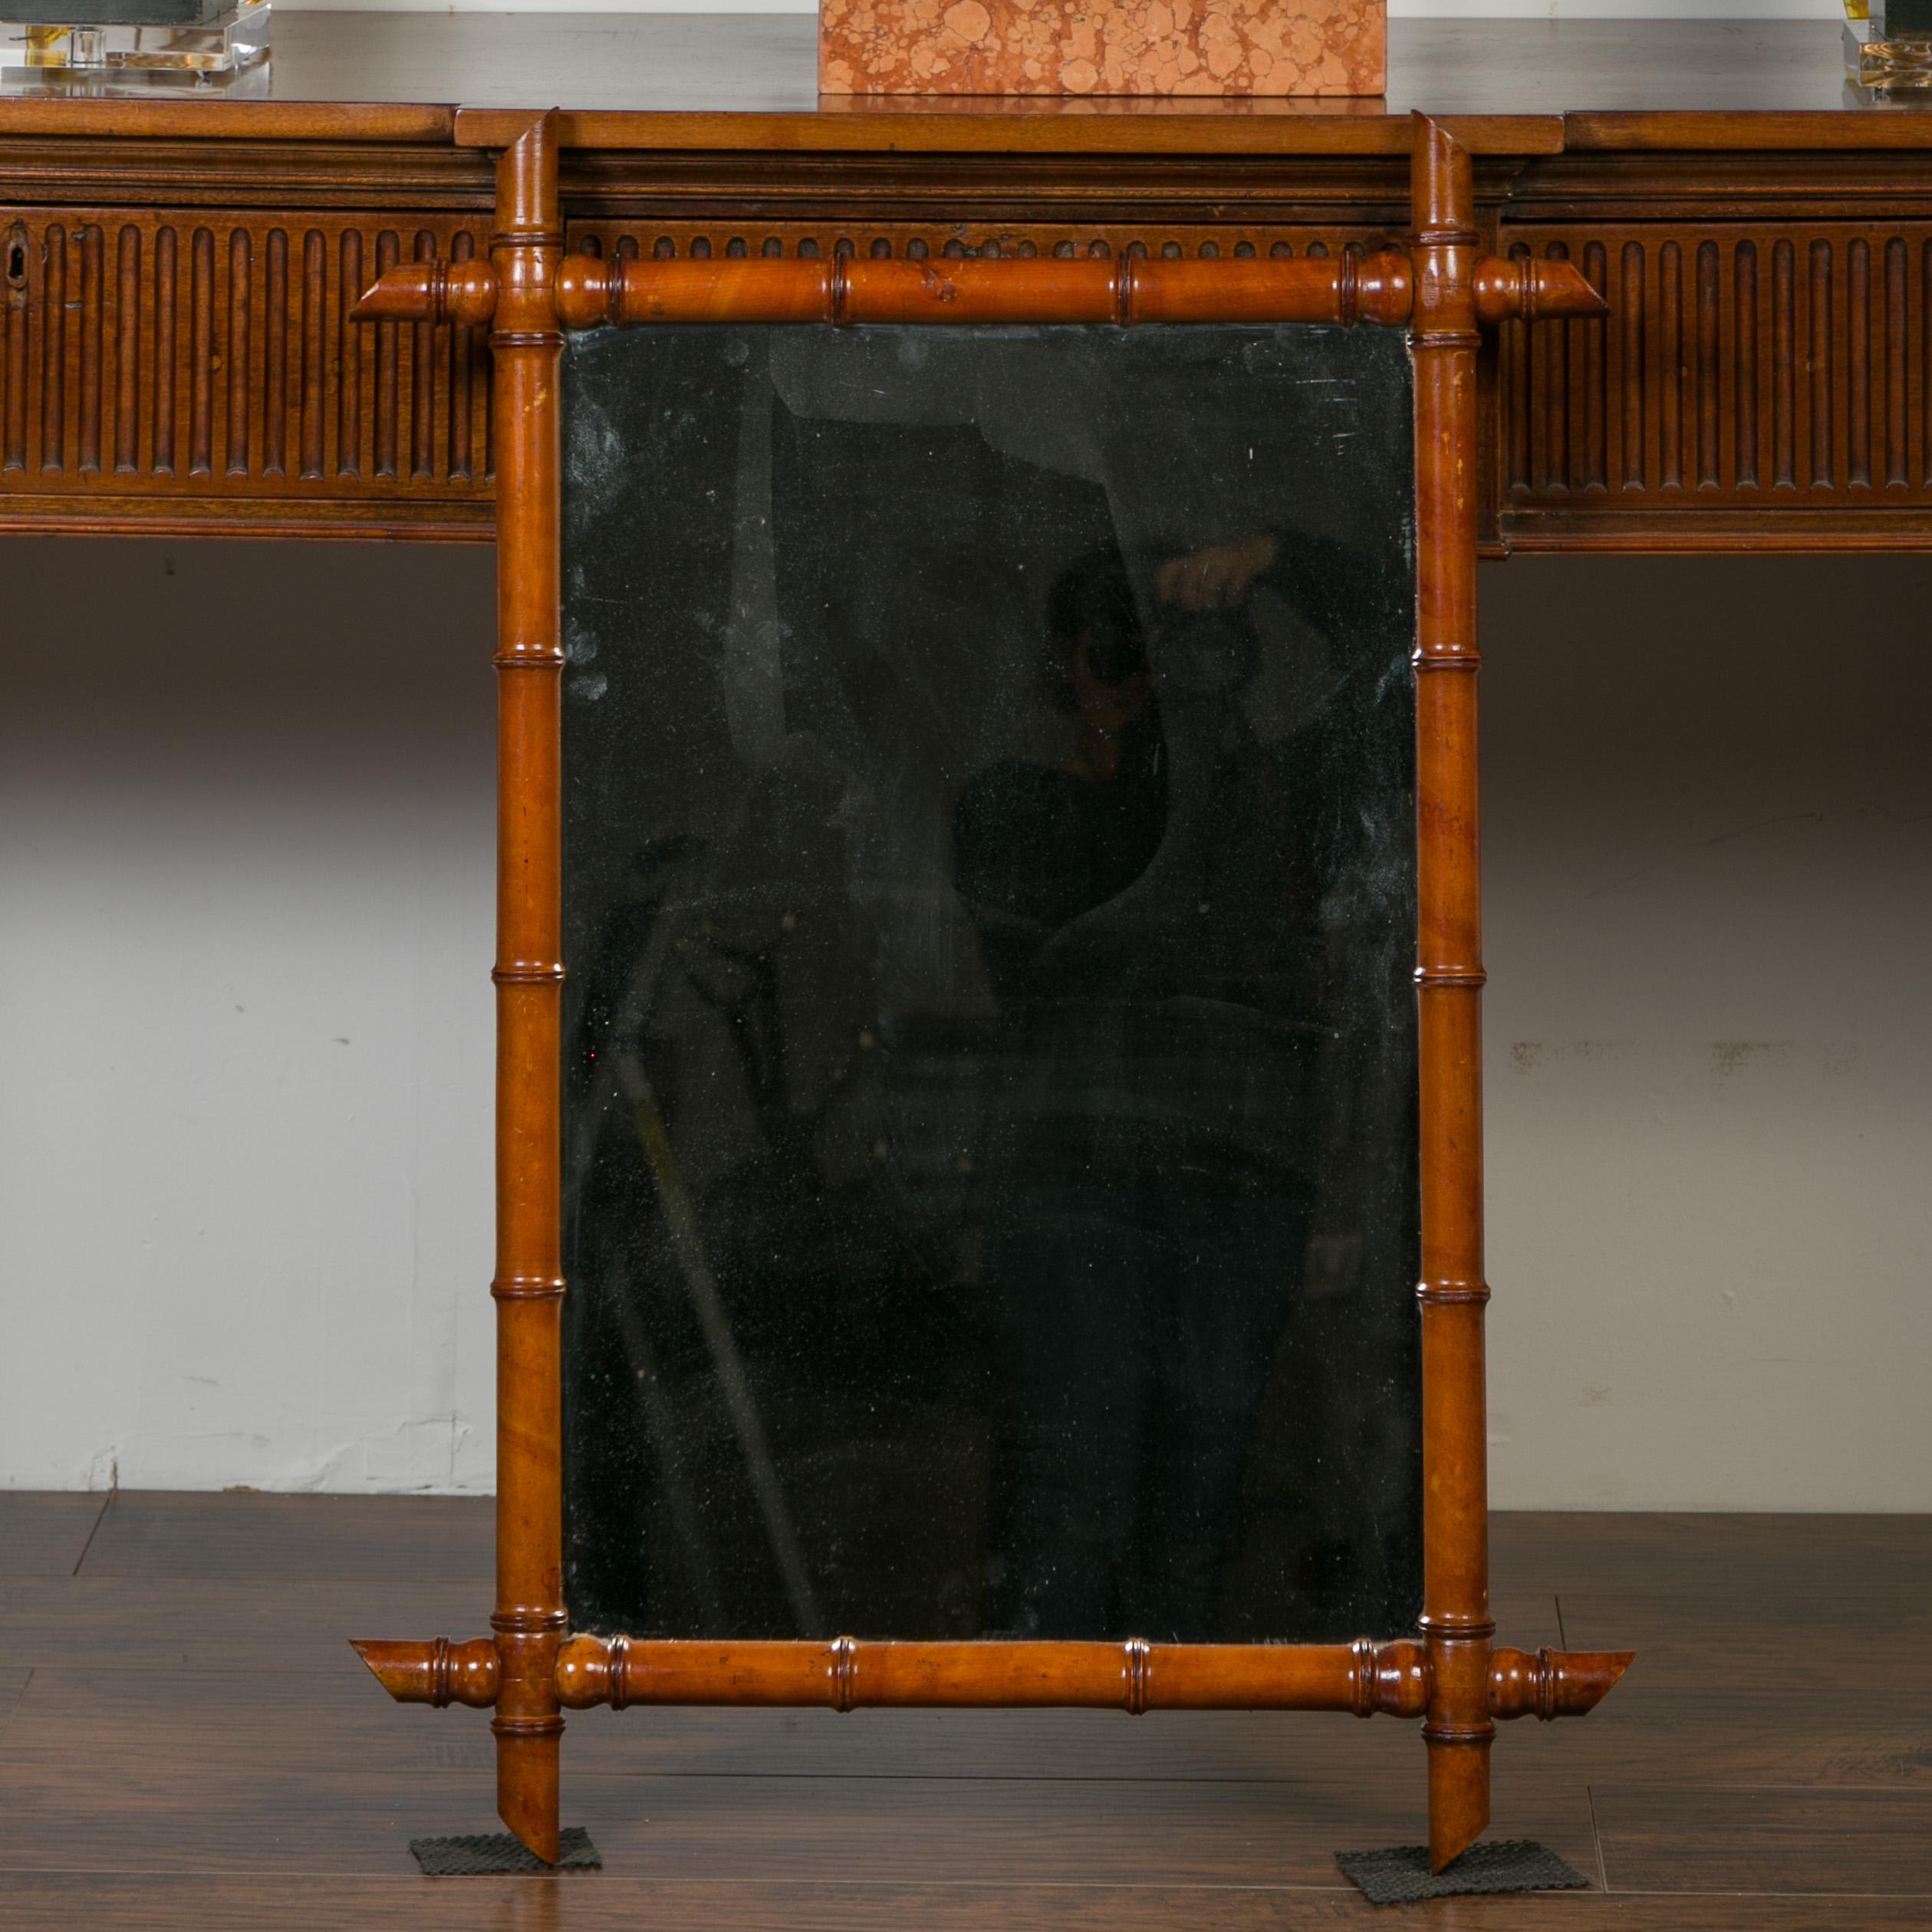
(990, 1121)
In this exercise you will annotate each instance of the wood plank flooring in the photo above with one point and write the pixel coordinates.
(187, 1742)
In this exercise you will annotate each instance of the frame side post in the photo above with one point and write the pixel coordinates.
(1456, 1620)
(529, 1617)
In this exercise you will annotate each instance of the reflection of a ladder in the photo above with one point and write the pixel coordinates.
(662, 1426)
(688, 1244)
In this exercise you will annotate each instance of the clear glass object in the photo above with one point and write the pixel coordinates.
(1888, 45)
(232, 44)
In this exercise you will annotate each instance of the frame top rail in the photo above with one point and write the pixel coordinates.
(1356, 286)
(1123, 290)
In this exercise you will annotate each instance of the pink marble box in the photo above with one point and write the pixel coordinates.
(1103, 46)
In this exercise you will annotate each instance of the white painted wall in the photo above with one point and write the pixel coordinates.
(246, 1023)
(245, 871)
(1708, 820)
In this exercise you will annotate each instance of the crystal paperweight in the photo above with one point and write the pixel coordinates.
(132, 40)
(1888, 45)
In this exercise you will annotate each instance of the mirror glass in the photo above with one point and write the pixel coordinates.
(989, 1053)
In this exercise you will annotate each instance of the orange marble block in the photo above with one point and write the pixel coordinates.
(1103, 46)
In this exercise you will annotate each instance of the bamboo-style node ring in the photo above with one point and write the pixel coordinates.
(845, 1672)
(529, 1288)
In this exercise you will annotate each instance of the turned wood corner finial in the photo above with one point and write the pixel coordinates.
(1552, 1683)
(1525, 290)
(431, 291)
(438, 1672)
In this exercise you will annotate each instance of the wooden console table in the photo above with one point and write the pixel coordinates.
(178, 275)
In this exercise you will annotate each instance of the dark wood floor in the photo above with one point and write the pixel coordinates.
(187, 1742)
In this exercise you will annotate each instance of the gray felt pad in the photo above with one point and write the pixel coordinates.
(497, 1851)
(1401, 1875)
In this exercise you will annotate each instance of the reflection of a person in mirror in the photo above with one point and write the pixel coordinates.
(1219, 578)
(1140, 1252)
(1099, 672)
(1036, 845)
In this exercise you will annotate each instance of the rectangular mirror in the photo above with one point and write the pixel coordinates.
(990, 1130)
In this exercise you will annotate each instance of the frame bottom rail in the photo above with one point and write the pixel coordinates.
(1134, 1675)
(1364, 1678)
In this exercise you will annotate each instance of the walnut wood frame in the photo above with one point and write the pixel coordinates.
(1444, 289)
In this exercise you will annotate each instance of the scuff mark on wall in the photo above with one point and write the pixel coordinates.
(1527, 1056)
(1696, 846)
(1730, 1057)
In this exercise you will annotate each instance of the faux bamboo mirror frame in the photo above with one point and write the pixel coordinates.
(811, 373)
